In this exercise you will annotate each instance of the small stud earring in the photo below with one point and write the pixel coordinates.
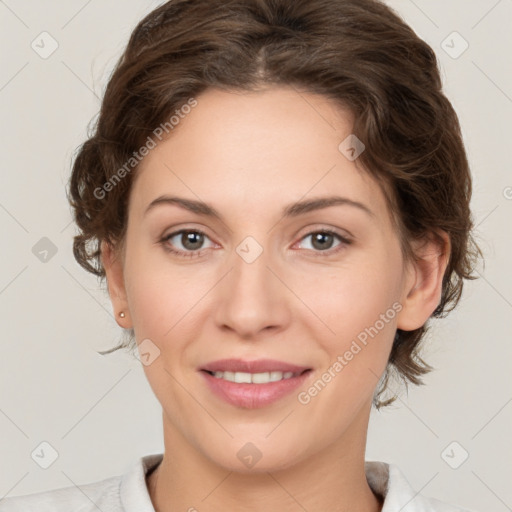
(122, 315)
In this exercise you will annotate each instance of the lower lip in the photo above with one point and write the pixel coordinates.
(253, 396)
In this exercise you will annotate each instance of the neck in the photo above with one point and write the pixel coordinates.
(333, 480)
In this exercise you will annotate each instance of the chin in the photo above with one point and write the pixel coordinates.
(255, 457)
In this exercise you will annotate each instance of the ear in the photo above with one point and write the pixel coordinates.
(424, 281)
(113, 266)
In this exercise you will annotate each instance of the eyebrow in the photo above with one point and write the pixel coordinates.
(292, 210)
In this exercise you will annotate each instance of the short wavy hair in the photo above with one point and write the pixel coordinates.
(358, 53)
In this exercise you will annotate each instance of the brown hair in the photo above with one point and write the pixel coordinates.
(359, 53)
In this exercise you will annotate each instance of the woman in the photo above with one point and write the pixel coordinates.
(277, 194)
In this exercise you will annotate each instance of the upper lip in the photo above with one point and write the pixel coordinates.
(256, 366)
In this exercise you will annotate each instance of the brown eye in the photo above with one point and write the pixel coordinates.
(323, 241)
(186, 242)
(192, 240)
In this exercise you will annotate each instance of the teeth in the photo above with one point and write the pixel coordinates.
(254, 378)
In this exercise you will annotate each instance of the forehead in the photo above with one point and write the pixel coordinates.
(256, 150)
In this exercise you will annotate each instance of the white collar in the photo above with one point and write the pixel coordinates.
(384, 479)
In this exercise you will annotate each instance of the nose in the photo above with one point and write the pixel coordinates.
(253, 298)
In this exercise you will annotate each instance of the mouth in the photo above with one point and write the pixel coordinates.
(253, 384)
(255, 378)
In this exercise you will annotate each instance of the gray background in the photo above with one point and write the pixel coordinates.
(99, 413)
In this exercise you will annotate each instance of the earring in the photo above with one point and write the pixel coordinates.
(122, 315)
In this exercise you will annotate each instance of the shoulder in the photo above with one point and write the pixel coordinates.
(398, 494)
(124, 493)
(102, 495)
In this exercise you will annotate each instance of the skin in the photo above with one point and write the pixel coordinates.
(249, 155)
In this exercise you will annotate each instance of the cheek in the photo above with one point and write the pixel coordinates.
(362, 315)
(348, 300)
(160, 294)
(357, 306)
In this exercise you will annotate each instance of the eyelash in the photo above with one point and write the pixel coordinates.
(197, 253)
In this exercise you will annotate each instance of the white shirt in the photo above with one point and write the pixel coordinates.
(129, 493)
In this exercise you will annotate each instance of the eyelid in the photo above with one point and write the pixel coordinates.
(178, 230)
(344, 241)
(164, 240)
(311, 230)
(324, 228)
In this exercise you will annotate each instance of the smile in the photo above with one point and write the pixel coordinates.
(253, 384)
(254, 378)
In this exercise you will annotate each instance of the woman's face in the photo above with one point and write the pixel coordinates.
(318, 291)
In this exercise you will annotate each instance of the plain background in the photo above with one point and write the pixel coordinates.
(99, 412)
